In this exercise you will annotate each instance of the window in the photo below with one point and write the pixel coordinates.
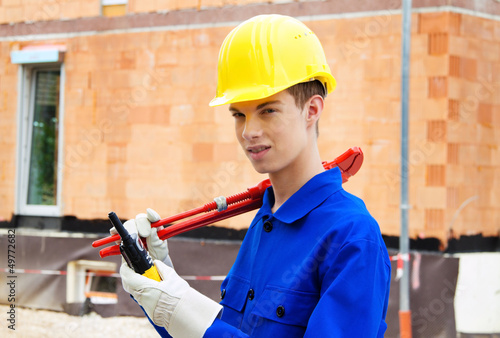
(40, 149)
(114, 7)
(94, 280)
(42, 178)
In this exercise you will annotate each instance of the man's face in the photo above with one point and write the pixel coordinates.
(272, 132)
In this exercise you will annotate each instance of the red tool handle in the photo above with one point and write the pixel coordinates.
(253, 193)
(195, 223)
(349, 163)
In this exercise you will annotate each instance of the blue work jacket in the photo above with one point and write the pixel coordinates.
(317, 267)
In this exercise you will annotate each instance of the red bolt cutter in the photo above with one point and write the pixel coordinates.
(221, 208)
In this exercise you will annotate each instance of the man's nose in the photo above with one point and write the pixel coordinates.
(252, 128)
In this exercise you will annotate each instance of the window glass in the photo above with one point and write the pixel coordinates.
(42, 181)
(114, 7)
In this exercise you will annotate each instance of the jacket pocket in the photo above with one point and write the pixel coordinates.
(234, 292)
(284, 306)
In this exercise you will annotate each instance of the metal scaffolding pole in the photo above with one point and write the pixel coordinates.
(404, 243)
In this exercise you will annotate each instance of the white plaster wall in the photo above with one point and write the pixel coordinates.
(477, 297)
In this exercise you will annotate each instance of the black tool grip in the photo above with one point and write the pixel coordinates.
(118, 225)
(131, 247)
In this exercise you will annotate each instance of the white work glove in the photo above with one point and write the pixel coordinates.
(171, 303)
(157, 248)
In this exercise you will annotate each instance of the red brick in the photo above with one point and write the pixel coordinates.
(458, 46)
(155, 115)
(12, 3)
(211, 3)
(33, 13)
(14, 14)
(496, 118)
(117, 153)
(432, 65)
(138, 6)
(453, 110)
(452, 201)
(68, 10)
(203, 152)
(225, 152)
(438, 43)
(490, 50)
(379, 130)
(463, 67)
(485, 114)
(486, 179)
(484, 155)
(434, 219)
(453, 151)
(74, 97)
(454, 66)
(419, 45)
(477, 28)
(460, 132)
(188, 4)
(77, 80)
(3, 19)
(90, 8)
(474, 48)
(436, 22)
(383, 89)
(127, 60)
(430, 197)
(456, 94)
(438, 87)
(495, 160)
(435, 175)
(381, 68)
(120, 134)
(115, 188)
(429, 153)
(455, 23)
(436, 130)
(469, 69)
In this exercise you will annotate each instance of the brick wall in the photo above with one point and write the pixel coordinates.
(8, 122)
(464, 134)
(139, 132)
(12, 11)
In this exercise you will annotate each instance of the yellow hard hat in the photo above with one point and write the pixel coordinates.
(267, 54)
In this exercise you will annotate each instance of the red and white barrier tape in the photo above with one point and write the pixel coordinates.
(399, 258)
(38, 272)
(104, 274)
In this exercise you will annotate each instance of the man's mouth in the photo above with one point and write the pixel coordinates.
(258, 150)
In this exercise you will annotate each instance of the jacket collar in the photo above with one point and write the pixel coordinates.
(308, 197)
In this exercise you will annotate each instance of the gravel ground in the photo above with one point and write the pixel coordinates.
(42, 323)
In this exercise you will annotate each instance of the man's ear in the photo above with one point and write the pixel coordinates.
(314, 108)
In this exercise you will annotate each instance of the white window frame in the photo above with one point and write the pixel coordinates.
(113, 2)
(26, 90)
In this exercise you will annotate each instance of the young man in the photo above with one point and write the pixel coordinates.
(313, 262)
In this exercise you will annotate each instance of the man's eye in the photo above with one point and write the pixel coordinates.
(235, 115)
(268, 111)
